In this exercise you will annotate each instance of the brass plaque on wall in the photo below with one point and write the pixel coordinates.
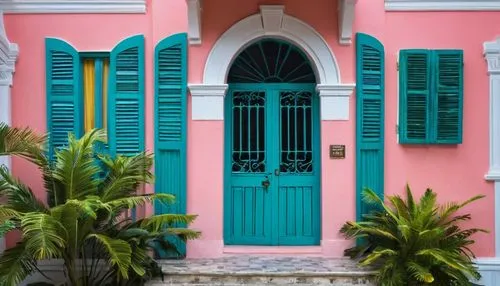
(337, 151)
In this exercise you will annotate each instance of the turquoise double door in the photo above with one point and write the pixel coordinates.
(272, 165)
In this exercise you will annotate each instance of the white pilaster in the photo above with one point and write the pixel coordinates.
(492, 55)
(8, 55)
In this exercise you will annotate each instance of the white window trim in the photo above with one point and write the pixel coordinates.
(442, 5)
(73, 6)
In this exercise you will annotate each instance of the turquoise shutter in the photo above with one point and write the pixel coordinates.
(370, 119)
(448, 103)
(64, 103)
(126, 97)
(414, 96)
(171, 126)
(171, 120)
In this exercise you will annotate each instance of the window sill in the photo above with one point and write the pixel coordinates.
(73, 7)
(442, 5)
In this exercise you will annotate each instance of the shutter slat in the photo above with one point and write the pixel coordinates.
(126, 130)
(63, 96)
(449, 72)
(370, 119)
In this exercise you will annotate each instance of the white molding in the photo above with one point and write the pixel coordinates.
(270, 22)
(335, 101)
(442, 5)
(346, 20)
(72, 6)
(194, 21)
(489, 267)
(492, 56)
(207, 101)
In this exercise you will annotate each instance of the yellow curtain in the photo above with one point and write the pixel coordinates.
(88, 93)
(105, 74)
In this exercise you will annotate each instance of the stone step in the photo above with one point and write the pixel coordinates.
(264, 270)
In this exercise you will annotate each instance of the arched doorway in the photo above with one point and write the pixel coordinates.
(272, 148)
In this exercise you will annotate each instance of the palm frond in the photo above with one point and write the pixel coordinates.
(377, 254)
(157, 222)
(184, 233)
(139, 258)
(22, 142)
(45, 237)
(370, 197)
(125, 174)
(76, 167)
(420, 273)
(139, 200)
(16, 264)
(19, 196)
(118, 250)
(7, 213)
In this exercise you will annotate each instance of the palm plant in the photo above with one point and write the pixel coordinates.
(414, 242)
(86, 221)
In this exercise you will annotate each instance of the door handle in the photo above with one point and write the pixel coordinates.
(277, 172)
(266, 183)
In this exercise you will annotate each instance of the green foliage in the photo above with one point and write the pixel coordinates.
(414, 242)
(87, 217)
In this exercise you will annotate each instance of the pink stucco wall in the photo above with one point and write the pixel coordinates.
(456, 172)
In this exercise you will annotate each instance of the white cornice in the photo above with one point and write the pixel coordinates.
(72, 6)
(442, 5)
(338, 90)
(194, 21)
(207, 89)
(346, 20)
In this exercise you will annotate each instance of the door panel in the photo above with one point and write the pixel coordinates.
(270, 138)
(249, 201)
(298, 203)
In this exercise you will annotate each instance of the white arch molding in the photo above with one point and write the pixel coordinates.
(208, 97)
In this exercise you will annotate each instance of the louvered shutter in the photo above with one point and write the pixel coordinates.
(370, 118)
(64, 114)
(448, 102)
(414, 98)
(171, 120)
(126, 97)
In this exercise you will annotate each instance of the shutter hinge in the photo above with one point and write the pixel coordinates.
(397, 66)
(397, 129)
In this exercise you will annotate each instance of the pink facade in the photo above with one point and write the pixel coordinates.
(456, 172)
